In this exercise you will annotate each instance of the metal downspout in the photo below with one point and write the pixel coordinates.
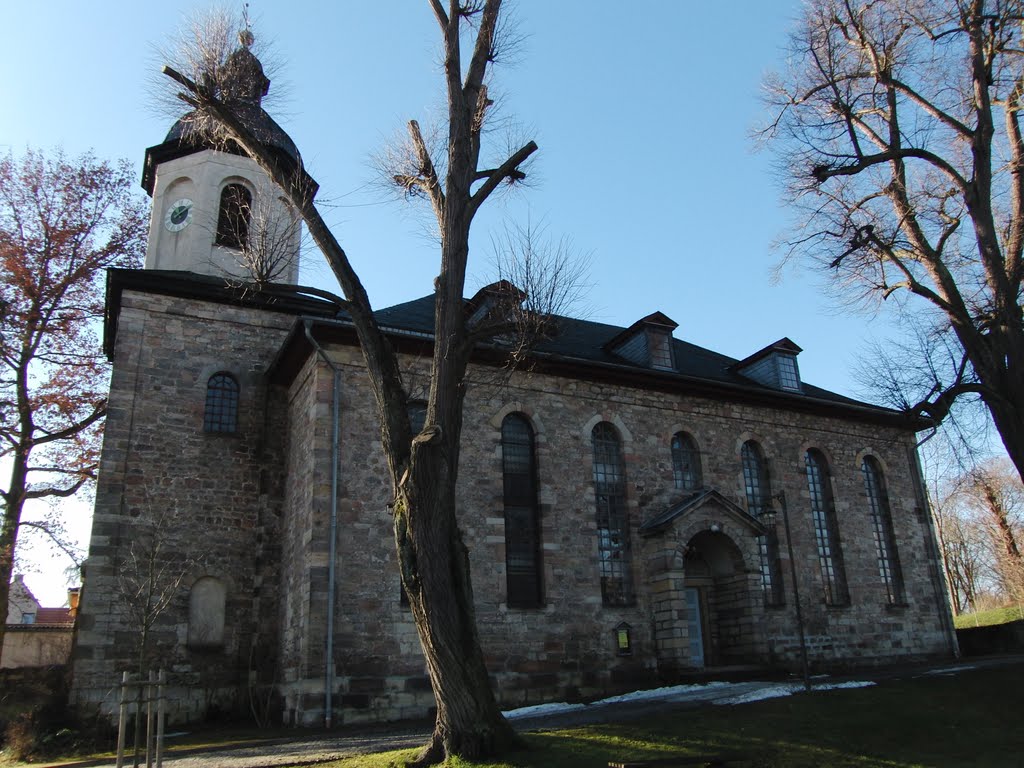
(333, 535)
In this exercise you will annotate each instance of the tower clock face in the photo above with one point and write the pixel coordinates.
(179, 215)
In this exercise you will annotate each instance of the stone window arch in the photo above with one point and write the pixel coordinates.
(759, 499)
(826, 528)
(613, 542)
(884, 534)
(522, 512)
(206, 603)
(234, 215)
(686, 469)
(221, 411)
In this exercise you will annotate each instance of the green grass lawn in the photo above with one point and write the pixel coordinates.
(971, 719)
(988, 618)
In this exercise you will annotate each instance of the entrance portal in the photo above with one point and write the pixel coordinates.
(718, 601)
(695, 626)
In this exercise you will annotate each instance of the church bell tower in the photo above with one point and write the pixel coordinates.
(215, 211)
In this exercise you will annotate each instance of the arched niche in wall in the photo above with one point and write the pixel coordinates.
(206, 604)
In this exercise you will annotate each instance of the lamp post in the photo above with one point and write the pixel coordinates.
(770, 515)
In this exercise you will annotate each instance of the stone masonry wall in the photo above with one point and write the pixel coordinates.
(566, 648)
(210, 501)
(252, 510)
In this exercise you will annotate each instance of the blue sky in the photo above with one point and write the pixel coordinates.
(642, 112)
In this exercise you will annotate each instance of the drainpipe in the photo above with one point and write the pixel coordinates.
(332, 545)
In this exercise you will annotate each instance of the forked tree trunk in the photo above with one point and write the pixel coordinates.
(436, 575)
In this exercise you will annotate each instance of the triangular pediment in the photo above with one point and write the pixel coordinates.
(696, 502)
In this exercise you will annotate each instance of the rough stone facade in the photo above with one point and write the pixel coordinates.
(251, 510)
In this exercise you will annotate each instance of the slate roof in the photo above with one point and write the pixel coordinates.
(586, 342)
(580, 349)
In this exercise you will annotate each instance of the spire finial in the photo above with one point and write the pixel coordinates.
(245, 36)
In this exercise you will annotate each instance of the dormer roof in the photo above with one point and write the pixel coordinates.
(773, 366)
(647, 342)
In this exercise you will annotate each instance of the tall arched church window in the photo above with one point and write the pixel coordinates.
(885, 536)
(234, 216)
(686, 462)
(759, 494)
(614, 553)
(826, 529)
(221, 413)
(522, 513)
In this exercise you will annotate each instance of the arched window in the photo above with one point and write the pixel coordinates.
(233, 216)
(221, 414)
(686, 462)
(612, 520)
(522, 513)
(755, 480)
(206, 613)
(885, 536)
(826, 529)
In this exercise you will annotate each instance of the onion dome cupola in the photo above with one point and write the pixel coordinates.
(214, 208)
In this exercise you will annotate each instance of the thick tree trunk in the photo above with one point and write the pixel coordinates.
(436, 575)
(14, 501)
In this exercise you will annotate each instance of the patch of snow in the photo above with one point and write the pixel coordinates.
(850, 684)
(542, 709)
(745, 693)
(760, 694)
(949, 670)
(667, 692)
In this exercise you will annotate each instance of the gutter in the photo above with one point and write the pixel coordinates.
(333, 535)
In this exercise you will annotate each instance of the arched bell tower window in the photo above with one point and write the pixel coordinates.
(233, 216)
(221, 413)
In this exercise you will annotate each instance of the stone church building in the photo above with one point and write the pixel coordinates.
(637, 508)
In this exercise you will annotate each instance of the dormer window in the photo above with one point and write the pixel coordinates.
(497, 303)
(774, 366)
(789, 376)
(647, 342)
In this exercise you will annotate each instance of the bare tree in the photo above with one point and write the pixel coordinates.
(962, 556)
(996, 495)
(898, 127)
(456, 182)
(63, 221)
(268, 249)
(149, 578)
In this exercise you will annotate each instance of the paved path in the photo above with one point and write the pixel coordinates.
(320, 748)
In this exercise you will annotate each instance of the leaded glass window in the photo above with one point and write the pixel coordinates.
(686, 462)
(522, 513)
(826, 529)
(612, 519)
(885, 537)
(758, 491)
(221, 413)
